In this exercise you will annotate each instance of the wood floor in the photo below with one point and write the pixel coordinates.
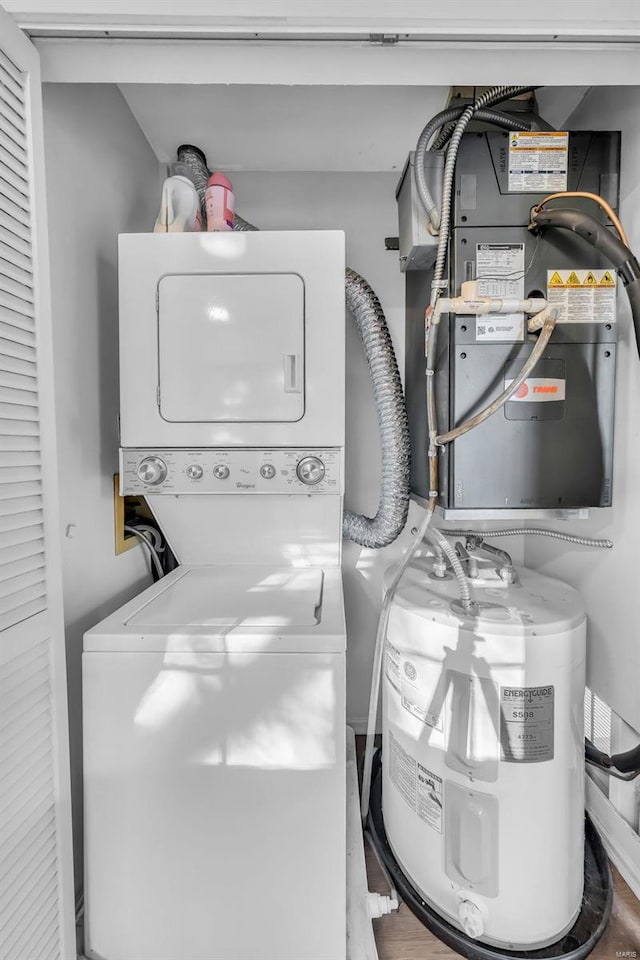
(400, 936)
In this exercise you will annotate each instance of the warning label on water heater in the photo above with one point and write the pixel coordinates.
(526, 724)
(402, 771)
(429, 806)
(418, 787)
(538, 160)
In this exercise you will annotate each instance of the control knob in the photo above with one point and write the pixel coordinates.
(310, 470)
(152, 470)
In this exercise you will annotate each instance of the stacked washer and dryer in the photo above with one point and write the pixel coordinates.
(214, 702)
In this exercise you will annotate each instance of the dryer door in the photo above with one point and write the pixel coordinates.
(231, 348)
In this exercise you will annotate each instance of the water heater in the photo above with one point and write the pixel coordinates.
(483, 756)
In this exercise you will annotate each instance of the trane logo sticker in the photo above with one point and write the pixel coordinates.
(538, 390)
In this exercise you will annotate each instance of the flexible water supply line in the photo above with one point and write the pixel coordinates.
(368, 315)
(533, 531)
(549, 318)
(441, 541)
(378, 655)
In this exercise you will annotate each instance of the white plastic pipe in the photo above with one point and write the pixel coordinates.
(361, 944)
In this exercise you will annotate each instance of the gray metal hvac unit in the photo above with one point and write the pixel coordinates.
(553, 449)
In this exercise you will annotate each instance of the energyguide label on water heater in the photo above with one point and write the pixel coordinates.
(538, 160)
(419, 787)
(500, 273)
(526, 724)
(582, 296)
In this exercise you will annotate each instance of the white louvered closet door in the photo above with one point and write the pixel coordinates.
(36, 880)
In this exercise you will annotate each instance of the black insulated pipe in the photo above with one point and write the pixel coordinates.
(627, 762)
(609, 244)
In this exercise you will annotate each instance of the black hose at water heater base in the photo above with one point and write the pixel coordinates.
(575, 945)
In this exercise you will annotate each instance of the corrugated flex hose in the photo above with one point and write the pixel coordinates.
(441, 122)
(369, 318)
(391, 516)
(439, 540)
(533, 531)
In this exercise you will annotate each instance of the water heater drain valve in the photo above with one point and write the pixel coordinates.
(471, 919)
(379, 905)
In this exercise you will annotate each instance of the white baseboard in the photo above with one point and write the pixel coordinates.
(620, 841)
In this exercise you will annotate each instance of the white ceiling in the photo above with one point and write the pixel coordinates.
(457, 18)
(286, 128)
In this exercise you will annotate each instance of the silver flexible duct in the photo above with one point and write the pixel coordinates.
(391, 516)
(195, 160)
(367, 312)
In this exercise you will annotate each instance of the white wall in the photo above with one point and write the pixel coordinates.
(102, 179)
(608, 580)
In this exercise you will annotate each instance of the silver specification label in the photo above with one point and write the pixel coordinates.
(526, 724)
(500, 273)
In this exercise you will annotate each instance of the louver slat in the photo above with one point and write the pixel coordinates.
(13, 471)
(18, 381)
(13, 123)
(9, 253)
(18, 552)
(7, 237)
(15, 565)
(21, 536)
(14, 210)
(16, 274)
(15, 365)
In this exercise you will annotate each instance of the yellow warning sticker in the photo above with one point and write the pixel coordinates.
(582, 296)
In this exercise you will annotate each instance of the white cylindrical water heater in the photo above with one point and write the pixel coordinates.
(483, 751)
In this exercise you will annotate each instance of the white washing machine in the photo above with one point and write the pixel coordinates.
(214, 703)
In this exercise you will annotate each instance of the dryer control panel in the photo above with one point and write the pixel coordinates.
(220, 470)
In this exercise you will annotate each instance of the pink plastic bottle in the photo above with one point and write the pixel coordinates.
(219, 202)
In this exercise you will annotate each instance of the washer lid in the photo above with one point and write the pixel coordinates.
(235, 597)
